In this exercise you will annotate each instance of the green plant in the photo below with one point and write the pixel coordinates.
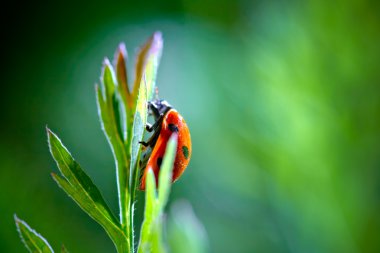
(123, 116)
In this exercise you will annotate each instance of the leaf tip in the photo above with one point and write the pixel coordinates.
(106, 62)
(158, 41)
(157, 36)
(173, 139)
(19, 223)
(17, 220)
(50, 135)
(96, 87)
(106, 67)
(122, 50)
(120, 56)
(150, 180)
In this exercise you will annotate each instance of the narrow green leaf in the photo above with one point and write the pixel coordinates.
(158, 246)
(112, 113)
(149, 214)
(165, 176)
(120, 61)
(152, 62)
(88, 205)
(78, 185)
(109, 123)
(112, 104)
(138, 128)
(122, 91)
(108, 80)
(164, 185)
(151, 230)
(82, 199)
(120, 115)
(147, 63)
(74, 174)
(33, 241)
(146, 68)
(139, 123)
(103, 111)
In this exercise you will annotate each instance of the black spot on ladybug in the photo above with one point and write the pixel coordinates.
(159, 161)
(185, 151)
(173, 128)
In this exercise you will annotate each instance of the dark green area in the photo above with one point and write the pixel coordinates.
(281, 98)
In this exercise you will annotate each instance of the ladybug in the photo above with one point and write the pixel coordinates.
(167, 122)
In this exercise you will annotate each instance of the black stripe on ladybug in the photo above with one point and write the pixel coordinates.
(173, 128)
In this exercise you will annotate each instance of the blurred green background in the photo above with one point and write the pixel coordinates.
(282, 99)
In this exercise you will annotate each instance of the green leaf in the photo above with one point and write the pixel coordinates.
(112, 113)
(138, 128)
(165, 176)
(149, 214)
(78, 185)
(120, 61)
(123, 94)
(151, 231)
(111, 105)
(120, 115)
(74, 174)
(147, 64)
(146, 68)
(139, 123)
(108, 80)
(33, 241)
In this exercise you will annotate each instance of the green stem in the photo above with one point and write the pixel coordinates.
(134, 186)
(123, 197)
(131, 200)
(122, 247)
(131, 224)
(122, 164)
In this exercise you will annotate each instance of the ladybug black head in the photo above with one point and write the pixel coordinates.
(159, 107)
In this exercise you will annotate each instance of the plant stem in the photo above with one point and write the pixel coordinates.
(123, 197)
(131, 231)
(131, 196)
(122, 164)
(122, 247)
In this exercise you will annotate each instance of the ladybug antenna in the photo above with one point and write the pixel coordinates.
(156, 93)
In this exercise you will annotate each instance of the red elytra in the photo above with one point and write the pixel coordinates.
(168, 122)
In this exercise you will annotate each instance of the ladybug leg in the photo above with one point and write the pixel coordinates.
(154, 109)
(152, 140)
(157, 129)
(145, 144)
(150, 127)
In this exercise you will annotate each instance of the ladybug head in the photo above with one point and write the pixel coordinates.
(159, 107)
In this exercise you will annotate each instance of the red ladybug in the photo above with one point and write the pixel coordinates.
(167, 122)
